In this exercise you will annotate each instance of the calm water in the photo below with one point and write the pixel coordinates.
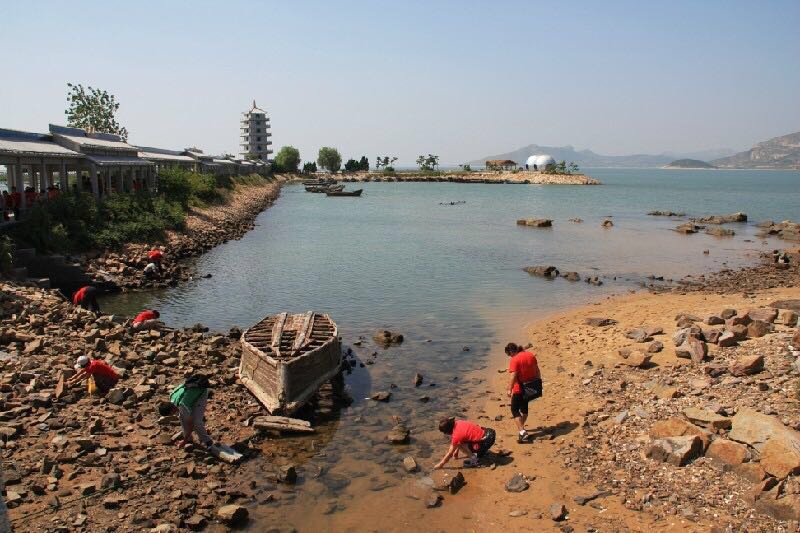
(448, 277)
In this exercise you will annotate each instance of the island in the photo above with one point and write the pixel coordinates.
(689, 163)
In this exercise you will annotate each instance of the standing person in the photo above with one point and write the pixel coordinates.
(188, 400)
(525, 384)
(144, 317)
(86, 297)
(100, 374)
(16, 202)
(465, 437)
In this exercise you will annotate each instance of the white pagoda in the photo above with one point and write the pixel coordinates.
(255, 134)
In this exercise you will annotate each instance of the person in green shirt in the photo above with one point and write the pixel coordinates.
(188, 400)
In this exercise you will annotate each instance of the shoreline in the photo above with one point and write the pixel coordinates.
(573, 418)
(206, 228)
(492, 177)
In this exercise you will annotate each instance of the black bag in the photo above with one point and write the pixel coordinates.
(196, 381)
(532, 389)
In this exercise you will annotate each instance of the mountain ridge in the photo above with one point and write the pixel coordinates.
(781, 152)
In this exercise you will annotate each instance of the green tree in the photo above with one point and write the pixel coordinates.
(363, 163)
(351, 165)
(428, 162)
(329, 158)
(309, 167)
(93, 110)
(287, 159)
(573, 168)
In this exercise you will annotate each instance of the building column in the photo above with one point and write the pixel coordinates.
(20, 183)
(79, 179)
(121, 179)
(95, 184)
(62, 176)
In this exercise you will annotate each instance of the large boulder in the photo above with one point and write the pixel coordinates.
(722, 219)
(599, 322)
(677, 451)
(767, 314)
(758, 328)
(780, 456)
(787, 317)
(637, 359)
(779, 445)
(535, 222)
(234, 515)
(693, 349)
(639, 335)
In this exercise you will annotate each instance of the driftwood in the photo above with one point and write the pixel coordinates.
(282, 423)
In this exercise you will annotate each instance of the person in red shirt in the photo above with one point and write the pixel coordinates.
(100, 372)
(144, 317)
(155, 256)
(16, 202)
(525, 384)
(86, 297)
(465, 437)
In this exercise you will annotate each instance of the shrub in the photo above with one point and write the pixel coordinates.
(174, 184)
(6, 251)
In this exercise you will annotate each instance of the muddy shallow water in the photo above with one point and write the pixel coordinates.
(449, 279)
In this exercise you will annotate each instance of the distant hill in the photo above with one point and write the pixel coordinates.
(689, 163)
(587, 158)
(778, 153)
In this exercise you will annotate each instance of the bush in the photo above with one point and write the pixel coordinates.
(174, 184)
(6, 253)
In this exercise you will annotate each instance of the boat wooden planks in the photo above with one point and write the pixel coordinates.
(282, 423)
(287, 357)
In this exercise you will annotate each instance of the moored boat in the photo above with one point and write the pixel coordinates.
(287, 357)
(356, 192)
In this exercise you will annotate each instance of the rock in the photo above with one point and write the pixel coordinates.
(558, 512)
(728, 452)
(381, 396)
(677, 451)
(571, 276)
(114, 501)
(706, 419)
(712, 336)
(678, 427)
(765, 314)
(638, 335)
(713, 320)
(655, 347)
(693, 349)
(680, 336)
(787, 317)
(599, 322)
(583, 500)
(687, 228)
(727, 339)
(447, 481)
(720, 232)
(739, 331)
(728, 313)
(386, 338)
(517, 483)
(780, 455)
(722, 219)
(542, 271)
(287, 474)
(535, 222)
(399, 435)
(233, 515)
(195, 522)
(757, 328)
(410, 464)
(747, 365)
(116, 396)
(742, 320)
(433, 500)
(796, 340)
(607, 224)
(516, 513)
(637, 359)
(754, 428)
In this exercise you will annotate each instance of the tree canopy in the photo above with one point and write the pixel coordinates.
(93, 110)
(287, 159)
(329, 158)
(428, 162)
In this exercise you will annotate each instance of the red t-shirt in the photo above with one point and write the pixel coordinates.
(77, 298)
(16, 199)
(155, 255)
(101, 368)
(526, 368)
(466, 432)
(144, 315)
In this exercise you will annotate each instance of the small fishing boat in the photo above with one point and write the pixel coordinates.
(324, 188)
(287, 357)
(356, 192)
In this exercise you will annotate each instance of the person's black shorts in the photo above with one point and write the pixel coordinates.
(519, 405)
(483, 445)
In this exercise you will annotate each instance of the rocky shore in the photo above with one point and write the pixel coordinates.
(205, 229)
(74, 462)
(504, 177)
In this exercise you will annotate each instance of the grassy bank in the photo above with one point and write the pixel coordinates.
(76, 222)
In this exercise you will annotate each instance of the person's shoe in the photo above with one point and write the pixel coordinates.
(472, 462)
(523, 437)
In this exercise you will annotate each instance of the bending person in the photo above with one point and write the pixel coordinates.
(465, 437)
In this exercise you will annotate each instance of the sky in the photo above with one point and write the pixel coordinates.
(460, 79)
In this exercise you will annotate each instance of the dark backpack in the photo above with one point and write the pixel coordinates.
(197, 381)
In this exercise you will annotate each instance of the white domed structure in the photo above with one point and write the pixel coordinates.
(539, 162)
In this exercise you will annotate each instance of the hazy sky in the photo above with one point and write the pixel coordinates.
(460, 79)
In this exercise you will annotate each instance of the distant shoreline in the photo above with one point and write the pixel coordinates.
(492, 177)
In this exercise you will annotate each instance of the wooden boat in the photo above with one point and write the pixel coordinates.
(287, 357)
(357, 192)
(324, 188)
